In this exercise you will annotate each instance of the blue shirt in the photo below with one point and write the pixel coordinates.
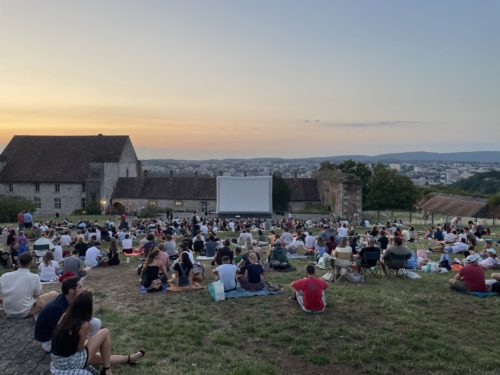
(28, 218)
(48, 318)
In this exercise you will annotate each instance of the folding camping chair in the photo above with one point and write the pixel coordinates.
(370, 263)
(40, 251)
(395, 265)
(341, 264)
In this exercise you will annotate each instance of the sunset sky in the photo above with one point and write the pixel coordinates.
(215, 79)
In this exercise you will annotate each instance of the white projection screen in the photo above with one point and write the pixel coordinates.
(244, 195)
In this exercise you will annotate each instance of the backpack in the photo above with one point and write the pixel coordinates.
(355, 277)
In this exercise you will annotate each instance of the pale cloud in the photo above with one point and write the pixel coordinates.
(366, 125)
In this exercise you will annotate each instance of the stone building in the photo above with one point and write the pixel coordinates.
(61, 174)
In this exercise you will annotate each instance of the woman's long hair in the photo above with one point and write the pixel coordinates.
(113, 247)
(78, 312)
(185, 260)
(150, 259)
(47, 258)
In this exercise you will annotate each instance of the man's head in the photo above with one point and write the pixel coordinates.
(225, 259)
(71, 287)
(310, 270)
(398, 241)
(472, 259)
(25, 260)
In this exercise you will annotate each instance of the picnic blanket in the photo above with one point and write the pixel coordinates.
(296, 256)
(188, 288)
(202, 257)
(144, 290)
(134, 254)
(242, 293)
(482, 294)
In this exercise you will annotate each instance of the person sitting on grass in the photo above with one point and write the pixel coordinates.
(52, 312)
(93, 256)
(489, 260)
(182, 268)
(74, 264)
(226, 273)
(309, 292)
(224, 251)
(113, 256)
(278, 259)
(21, 290)
(470, 278)
(73, 348)
(150, 275)
(48, 267)
(253, 279)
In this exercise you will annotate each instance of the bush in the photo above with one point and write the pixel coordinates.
(11, 206)
(151, 212)
(93, 208)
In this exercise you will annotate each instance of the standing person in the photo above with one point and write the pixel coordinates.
(309, 292)
(52, 312)
(21, 290)
(194, 223)
(28, 220)
(20, 220)
(72, 346)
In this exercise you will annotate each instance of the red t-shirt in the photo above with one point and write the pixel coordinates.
(312, 288)
(473, 276)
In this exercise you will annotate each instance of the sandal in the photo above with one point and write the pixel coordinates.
(143, 353)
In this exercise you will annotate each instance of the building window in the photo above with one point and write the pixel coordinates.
(178, 203)
(11, 187)
(83, 203)
(204, 207)
(83, 188)
(37, 202)
(152, 204)
(57, 188)
(37, 188)
(127, 172)
(57, 203)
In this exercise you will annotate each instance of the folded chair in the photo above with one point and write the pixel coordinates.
(370, 264)
(341, 264)
(395, 265)
(40, 251)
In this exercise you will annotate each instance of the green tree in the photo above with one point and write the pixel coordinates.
(11, 206)
(93, 208)
(281, 193)
(387, 190)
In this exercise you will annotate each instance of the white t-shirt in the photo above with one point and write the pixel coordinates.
(310, 241)
(17, 290)
(227, 274)
(91, 256)
(127, 243)
(488, 262)
(48, 273)
(342, 232)
(65, 240)
(58, 253)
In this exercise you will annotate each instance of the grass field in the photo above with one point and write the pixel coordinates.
(379, 327)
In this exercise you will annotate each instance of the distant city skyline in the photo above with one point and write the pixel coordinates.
(236, 79)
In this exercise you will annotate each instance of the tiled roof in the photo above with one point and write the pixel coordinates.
(57, 158)
(197, 188)
(456, 205)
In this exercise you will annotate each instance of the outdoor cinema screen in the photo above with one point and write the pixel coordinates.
(244, 195)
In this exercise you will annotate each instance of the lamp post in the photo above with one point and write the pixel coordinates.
(103, 205)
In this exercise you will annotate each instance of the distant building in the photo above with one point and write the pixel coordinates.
(61, 174)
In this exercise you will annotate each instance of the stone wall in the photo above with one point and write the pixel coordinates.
(136, 205)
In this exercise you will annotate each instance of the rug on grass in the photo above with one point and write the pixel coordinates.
(289, 269)
(189, 288)
(482, 294)
(144, 290)
(296, 256)
(202, 257)
(242, 293)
